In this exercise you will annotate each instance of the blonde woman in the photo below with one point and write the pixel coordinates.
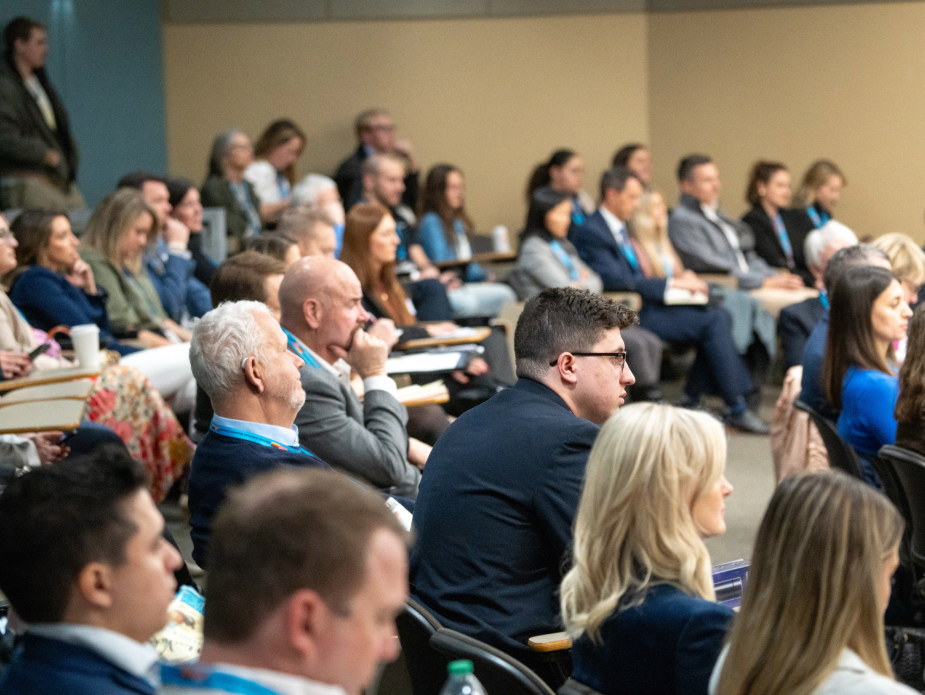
(907, 260)
(819, 192)
(820, 576)
(649, 237)
(639, 600)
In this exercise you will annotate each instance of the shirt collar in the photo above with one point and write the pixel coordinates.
(282, 683)
(340, 369)
(288, 436)
(848, 660)
(613, 223)
(131, 656)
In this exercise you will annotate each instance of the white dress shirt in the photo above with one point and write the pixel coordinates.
(341, 370)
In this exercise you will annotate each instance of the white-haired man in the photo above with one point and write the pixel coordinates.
(240, 357)
(797, 321)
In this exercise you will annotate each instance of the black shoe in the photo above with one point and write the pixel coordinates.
(747, 421)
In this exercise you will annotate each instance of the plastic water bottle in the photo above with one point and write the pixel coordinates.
(461, 680)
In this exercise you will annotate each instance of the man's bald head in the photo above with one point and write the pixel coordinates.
(312, 277)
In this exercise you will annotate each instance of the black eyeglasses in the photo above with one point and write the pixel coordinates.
(618, 358)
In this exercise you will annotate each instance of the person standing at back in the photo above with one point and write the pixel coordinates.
(38, 156)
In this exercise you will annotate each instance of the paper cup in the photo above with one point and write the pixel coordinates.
(86, 339)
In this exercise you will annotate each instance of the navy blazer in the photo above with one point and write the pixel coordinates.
(667, 645)
(43, 666)
(794, 326)
(221, 462)
(600, 251)
(494, 516)
(812, 389)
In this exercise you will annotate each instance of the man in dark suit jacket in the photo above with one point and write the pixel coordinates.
(239, 357)
(323, 317)
(85, 564)
(500, 491)
(375, 132)
(603, 243)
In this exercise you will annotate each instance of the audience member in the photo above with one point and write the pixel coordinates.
(122, 397)
(375, 133)
(169, 263)
(635, 157)
(797, 321)
(648, 232)
(323, 318)
(778, 238)
(240, 359)
(38, 155)
(226, 187)
(507, 475)
(813, 390)
(563, 172)
(187, 208)
(320, 192)
(272, 174)
(819, 192)
(639, 599)
(868, 315)
(708, 241)
(604, 244)
(907, 260)
(311, 229)
(307, 573)
(825, 552)
(282, 248)
(86, 566)
(443, 234)
(910, 406)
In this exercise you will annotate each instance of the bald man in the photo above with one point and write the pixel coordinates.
(323, 317)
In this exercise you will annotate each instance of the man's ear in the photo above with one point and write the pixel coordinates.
(254, 376)
(306, 621)
(95, 584)
(565, 366)
(313, 312)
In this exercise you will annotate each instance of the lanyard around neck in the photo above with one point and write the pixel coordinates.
(296, 346)
(257, 439)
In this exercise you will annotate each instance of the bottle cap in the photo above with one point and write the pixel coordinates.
(460, 668)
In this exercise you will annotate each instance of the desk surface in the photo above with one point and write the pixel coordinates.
(459, 337)
(49, 376)
(490, 257)
(41, 416)
(78, 390)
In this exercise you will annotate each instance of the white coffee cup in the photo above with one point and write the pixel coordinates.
(86, 339)
(502, 242)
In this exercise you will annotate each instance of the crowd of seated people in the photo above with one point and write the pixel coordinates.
(543, 504)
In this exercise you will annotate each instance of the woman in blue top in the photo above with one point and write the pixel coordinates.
(639, 600)
(868, 313)
(443, 234)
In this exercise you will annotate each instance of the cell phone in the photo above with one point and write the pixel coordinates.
(66, 436)
(40, 350)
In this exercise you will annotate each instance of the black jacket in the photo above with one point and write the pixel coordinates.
(767, 243)
(349, 179)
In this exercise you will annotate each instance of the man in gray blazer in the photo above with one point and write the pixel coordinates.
(323, 317)
(708, 241)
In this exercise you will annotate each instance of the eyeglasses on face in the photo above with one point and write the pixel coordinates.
(617, 358)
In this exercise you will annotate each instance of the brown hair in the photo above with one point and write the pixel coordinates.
(112, 218)
(279, 133)
(271, 244)
(433, 199)
(762, 172)
(818, 174)
(286, 531)
(365, 119)
(32, 229)
(362, 221)
(243, 277)
(850, 341)
(910, 406)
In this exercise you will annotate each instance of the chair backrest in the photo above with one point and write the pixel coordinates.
(841, 454)
(908, 469)
(426, 666)
(498, 672)
(573, 687)
(214, 230)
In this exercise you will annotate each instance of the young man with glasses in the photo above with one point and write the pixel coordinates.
(495, 509)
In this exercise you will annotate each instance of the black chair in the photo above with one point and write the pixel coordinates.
(573, 687)
(497, 671)
(841, 454)
(908, 470)
(426, 666)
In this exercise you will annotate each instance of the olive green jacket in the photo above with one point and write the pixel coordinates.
(132, 302)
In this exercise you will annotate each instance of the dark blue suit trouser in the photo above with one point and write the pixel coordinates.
(718, 368)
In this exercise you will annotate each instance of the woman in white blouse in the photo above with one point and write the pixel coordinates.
(272, 174)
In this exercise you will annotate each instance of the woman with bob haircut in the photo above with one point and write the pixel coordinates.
(225, 187)
(639, 599)
(811, 620)
(910, 406)
(868, 314)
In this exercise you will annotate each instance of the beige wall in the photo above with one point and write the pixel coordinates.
(492, 96)
(843, 82)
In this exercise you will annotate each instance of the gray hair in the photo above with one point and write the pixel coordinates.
(220, 146)
(222, 340)
(818, 239)
(306, 191)
(372, 165)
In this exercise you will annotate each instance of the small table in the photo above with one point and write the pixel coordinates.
(458, 337)
(50, 376)
(41, 416)
(490, 257)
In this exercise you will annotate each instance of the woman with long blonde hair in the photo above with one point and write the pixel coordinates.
(649, 236)
(812, 616)
(639, 599)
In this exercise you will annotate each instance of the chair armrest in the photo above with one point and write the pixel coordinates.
(552, 642)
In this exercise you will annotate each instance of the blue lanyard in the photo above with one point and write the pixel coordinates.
(257, 439)
(195, 679)
(296, 346)
(282, 183)
(818, 218)
(564, 259)
(824, 298)
(784, 239)
(627, 249)
(578, 215)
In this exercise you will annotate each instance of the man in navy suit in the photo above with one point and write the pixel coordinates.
(603, 243)
(500, 491)
(83, 561)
